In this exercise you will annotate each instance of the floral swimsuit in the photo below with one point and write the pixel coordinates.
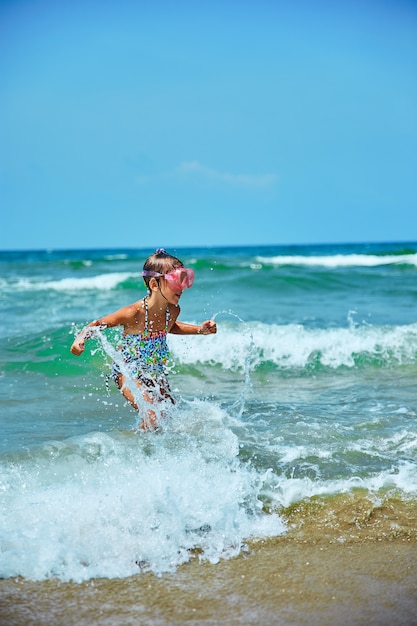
(145, 354)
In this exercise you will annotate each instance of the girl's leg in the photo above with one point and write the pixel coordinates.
(120, 382)
(149, 421)
(156, 393)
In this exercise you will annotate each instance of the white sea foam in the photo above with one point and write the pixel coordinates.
(294, 346)
(339, 260)
(116, 257)
(100, 282)
(284, 491)
(112, 506)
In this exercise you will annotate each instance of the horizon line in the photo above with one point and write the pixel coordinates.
(213, 246)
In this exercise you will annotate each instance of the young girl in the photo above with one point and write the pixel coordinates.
(145, 324)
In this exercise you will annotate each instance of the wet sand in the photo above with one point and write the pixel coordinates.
(276, 582)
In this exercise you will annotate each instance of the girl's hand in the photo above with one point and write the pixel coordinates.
(77, 347)
(208, 327)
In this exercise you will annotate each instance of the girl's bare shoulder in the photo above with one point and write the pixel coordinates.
(130, 316)
(135, 313)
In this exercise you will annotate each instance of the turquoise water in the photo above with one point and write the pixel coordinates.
(308, 389)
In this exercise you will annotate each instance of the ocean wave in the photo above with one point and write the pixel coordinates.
(295, 347)
(112, 506)
(291, 349)
(116, 504)
(338, 260)
(284, 491)
(100, 282)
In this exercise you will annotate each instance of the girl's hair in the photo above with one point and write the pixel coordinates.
(162, 262)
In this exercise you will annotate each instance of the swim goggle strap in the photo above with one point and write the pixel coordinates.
(180, 278)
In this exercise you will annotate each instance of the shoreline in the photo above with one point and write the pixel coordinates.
(279, 581)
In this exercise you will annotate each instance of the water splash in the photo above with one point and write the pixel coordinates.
(157, 411)
(239, 405)
(113, 505)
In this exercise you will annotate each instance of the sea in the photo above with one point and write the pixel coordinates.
(298, 416)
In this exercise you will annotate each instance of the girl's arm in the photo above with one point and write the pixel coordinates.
(78, 346)
(122, 317)
(181, 328)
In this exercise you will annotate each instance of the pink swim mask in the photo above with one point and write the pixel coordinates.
(179, 279)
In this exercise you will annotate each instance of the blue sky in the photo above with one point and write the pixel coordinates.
(148, 123)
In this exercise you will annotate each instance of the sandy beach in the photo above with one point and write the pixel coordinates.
(275, 582)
